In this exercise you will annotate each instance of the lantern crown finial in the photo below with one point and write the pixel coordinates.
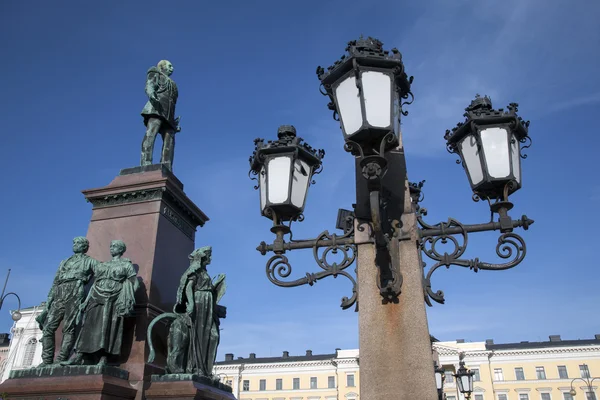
(286, 132)
(480, 103)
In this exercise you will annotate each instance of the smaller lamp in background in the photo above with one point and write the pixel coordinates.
(439, 379)
(16, 315)
(464, 379)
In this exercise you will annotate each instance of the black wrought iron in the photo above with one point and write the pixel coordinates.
(278, 267)
(510, 246)
(588, 381)
(16, 315)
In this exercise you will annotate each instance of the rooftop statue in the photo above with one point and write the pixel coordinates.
(64, 299)
(111, 298)
(194, 334)
(159, 113)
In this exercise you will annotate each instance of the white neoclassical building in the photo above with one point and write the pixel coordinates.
(25, 350)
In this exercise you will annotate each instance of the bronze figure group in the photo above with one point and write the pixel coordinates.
(98, 316)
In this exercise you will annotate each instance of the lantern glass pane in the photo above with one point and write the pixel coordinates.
(495, 147)
(471, 159)
(516, 158)
(262, 186)
(300, 181)
(348, 102)
(438, 380)
(377, 90)
(465, 383)
(278, 179)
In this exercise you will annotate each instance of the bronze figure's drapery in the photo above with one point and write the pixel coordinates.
(64, 299)
(109, 301)
(159, 113)
(194, 334)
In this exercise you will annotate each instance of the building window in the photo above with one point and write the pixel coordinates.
(523, 396)
(246, 385)
(296, 384)
(502, 396)
(478, 397)
(262, 384)
(584, 371)
(546, 396)
(228, 382)
(519, 374)
(540, 372)
(449, 376)
(278, 384)
(350, 380)
(562, 372)
(313, 382)
(476, 376)
(567, 396)
(331, 382)
(29, 352)
(498, 375)
(450, 398)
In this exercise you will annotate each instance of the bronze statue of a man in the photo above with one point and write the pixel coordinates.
(64, 299)
(159, 113)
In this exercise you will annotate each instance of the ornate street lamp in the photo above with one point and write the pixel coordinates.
(367, 89)
(440, 377)
(588, 381)
(464, 380)
(285, 168)
(16, 315)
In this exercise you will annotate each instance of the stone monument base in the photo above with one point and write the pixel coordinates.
(82, 382)
(186, 387)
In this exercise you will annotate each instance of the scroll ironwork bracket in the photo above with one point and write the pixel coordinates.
(510, 246)
(278, 267)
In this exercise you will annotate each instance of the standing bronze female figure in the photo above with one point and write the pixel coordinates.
(110, 299)
(194, 334)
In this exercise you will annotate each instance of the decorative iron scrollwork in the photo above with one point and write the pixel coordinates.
(510, 247)
(325, 247)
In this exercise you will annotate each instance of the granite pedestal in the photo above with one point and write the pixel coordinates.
(186, 387)
(72, 383)
(147, 208)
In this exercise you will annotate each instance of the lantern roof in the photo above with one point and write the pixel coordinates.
(367, 52)
(287, 142)
(480, 112)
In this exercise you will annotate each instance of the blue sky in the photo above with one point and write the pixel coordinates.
(73, 85)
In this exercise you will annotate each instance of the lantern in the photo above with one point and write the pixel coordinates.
(285, 168)
(488, 144)
(366, 88)
(464, 379)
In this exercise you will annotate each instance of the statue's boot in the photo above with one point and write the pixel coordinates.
(77, 359)
(47, 350)
(65, 350)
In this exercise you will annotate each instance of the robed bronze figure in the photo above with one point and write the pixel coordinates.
(64, 300)
(159, 113)
(111, 298)
(194, 334)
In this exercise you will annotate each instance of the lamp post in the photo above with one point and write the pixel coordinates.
(588, 381)
(16, 315)
(385, 233)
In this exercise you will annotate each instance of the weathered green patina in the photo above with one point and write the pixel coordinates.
(65, 297)
(111, 298)
(159, 113)
(194, 334)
